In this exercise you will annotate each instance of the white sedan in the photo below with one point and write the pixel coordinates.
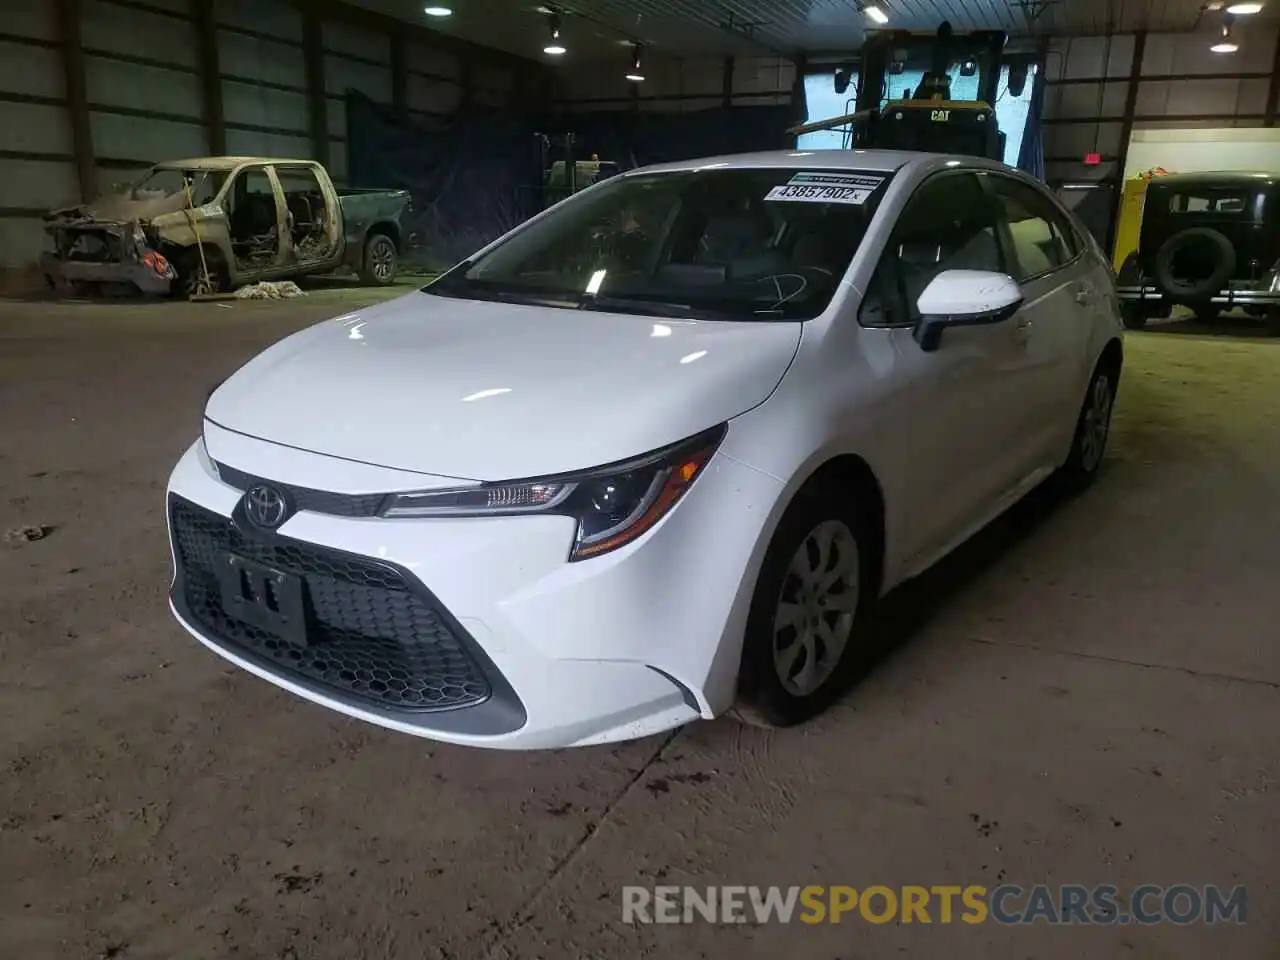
(652, 455)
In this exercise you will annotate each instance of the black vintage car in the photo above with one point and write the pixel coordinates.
(1209, 241)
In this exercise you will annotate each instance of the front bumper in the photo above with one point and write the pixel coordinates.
(140, 275)
(618, 647)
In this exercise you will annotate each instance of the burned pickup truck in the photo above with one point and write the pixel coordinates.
(214, 223)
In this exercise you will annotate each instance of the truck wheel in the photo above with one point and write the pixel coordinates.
(381, 261)
(190, 279)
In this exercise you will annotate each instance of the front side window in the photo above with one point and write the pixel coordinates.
(745, 244)
(948, 224)
(1042, 240)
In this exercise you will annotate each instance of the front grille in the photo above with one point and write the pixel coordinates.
(304, 498)
(369, 633)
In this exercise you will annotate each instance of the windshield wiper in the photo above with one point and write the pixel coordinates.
(641, 305)
(468, 290)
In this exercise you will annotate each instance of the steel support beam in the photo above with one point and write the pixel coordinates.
(317, 106)
(215, 121)
(68, 20)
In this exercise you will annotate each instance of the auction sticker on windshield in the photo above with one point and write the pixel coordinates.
(826, 188)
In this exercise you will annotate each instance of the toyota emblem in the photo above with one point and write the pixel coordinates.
(265, 506)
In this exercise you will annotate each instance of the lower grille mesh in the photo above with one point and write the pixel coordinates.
(368, 633)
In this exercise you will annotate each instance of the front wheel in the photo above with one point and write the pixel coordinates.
(803, 627)
(381, 261)
(196, 275)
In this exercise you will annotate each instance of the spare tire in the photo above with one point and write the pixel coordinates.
(1194, 264)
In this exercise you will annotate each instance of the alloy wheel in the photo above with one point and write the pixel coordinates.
(383, 255)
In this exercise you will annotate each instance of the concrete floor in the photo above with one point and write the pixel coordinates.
(1089, 693)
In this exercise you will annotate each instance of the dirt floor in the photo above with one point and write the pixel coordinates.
(1089, 693)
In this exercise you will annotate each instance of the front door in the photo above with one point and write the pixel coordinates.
(1046, 257)
(958, 403)
(255, 219)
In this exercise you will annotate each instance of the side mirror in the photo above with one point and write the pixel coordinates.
(964, 298)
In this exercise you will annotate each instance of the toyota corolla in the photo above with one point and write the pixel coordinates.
(651, 456)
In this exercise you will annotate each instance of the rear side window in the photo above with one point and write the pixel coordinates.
(1208, 202)
(947, 224)
(1042, 239)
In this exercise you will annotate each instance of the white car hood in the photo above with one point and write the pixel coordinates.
(492, 391)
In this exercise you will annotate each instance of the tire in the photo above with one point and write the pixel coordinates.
(187, 263)
(381, 261)
(1093, 426)
(1133, 315)
(801, 640)
(1215, 248)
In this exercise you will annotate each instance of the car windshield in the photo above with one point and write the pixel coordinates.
(167, 181)
(753, 244)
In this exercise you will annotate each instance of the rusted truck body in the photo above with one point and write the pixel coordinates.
(213, 223)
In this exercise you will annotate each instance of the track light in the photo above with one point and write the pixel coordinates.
(555, 48)
(1244, 9)
(636, 74)
(876, 14)
(438, 11)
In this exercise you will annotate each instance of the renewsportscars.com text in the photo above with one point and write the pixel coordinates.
(1103, 905)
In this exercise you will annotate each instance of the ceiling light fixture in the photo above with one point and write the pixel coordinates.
(1226, 44)
(438, 11)
(636, 74)
(555, 48)
(1244, 9)
(876, 14)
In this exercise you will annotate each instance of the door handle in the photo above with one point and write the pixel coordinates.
(1022, 329)
(1083, 296)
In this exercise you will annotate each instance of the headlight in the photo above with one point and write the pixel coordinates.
(613, 505)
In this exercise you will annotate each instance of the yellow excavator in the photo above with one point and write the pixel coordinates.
(926, 119)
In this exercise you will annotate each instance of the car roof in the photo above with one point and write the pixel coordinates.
(221, 163)
(1208, 179)
(878, 161)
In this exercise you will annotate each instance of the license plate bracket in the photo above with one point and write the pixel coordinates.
(270, 599)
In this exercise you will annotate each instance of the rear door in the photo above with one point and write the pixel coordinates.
(313, 231)
(1046, 256)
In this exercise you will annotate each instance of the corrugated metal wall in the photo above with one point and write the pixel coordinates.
(37, 170)
(677, 84)
(165, 79)
(1178, 82)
